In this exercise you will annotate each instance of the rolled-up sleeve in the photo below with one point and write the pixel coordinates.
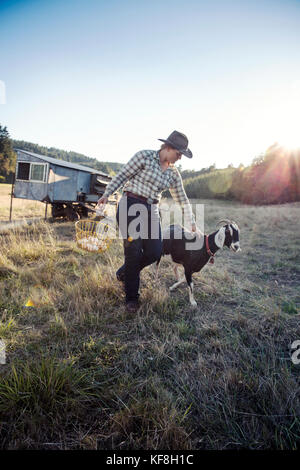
(135, 164)
(179, 195)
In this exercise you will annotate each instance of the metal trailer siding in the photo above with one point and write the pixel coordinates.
(65, 184)
(63, 180)
(51, 182)
(83, 183)
(26, 189)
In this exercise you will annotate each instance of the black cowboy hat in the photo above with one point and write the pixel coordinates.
(178, 141)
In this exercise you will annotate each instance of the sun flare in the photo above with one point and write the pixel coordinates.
(290, 140)
(286, 120)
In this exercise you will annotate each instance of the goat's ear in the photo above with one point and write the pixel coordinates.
(220, 237)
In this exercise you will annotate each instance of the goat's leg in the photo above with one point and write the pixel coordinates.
(191, 295)
(175, 269)
(156, 269)
(180, 280)
(177, 284)
(189, 280)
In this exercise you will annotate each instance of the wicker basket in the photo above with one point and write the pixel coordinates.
(94, 236)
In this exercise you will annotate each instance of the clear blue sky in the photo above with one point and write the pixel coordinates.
(108, 78)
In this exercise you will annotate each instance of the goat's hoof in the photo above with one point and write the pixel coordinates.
(194, 304)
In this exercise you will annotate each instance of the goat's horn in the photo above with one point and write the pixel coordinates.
(224, 221)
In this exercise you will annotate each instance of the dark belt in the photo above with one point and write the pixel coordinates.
(149, 200)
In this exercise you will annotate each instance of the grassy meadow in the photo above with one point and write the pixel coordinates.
(81, 373)
(21, 208)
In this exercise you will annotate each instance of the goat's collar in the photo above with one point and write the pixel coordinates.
(209, 252)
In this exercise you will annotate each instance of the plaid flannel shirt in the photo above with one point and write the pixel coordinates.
(143, 176)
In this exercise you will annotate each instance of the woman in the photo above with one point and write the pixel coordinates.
(147, 174)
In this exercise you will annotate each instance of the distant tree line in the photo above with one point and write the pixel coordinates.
(271, 178)
(186, 174)
(7, 157)
(73, 157)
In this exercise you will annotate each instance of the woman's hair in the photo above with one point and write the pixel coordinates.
(165, 146)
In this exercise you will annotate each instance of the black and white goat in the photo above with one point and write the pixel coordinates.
(175, 243)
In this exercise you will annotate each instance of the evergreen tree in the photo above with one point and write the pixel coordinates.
(7, 155)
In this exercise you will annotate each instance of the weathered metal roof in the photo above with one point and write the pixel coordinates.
(56, 161)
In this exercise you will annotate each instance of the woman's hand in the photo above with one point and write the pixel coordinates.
(101, 206)
(102, 201)
(197, 231)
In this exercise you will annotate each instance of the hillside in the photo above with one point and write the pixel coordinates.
(74, 157)
(272, 178)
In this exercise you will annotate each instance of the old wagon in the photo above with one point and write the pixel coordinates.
(72, 190)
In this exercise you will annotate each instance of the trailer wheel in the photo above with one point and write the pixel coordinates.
(82, 212)
(58, 210)
(71, 213)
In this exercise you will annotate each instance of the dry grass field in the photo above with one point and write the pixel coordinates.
(21, 208)
(81, 373)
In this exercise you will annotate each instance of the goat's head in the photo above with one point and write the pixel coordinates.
(228, 235)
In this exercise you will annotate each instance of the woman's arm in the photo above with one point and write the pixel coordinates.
(135, 164)
(179, 195)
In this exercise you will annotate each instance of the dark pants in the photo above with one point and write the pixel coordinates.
(142, 241)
